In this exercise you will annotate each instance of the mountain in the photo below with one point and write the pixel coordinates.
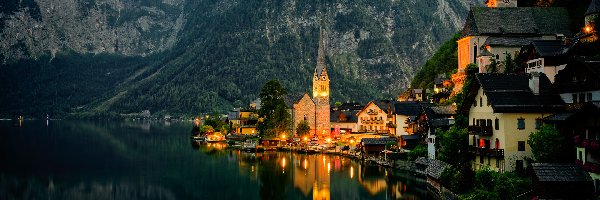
(185, 57)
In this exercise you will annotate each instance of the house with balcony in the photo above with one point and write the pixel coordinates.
(503, 110)
(579, 88)
(377, 117)
(406, 120)
(432, 119)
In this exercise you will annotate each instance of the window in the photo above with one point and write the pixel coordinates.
(497, 56)
(519, 165)
(521, 123)
(480, 102)
(474, 52)
(498, 163)
(489, 123)
(475, 103)
(538, 123)
(589, 96)
(581, 97)
(473, 121)
(521, 145)
(574, 98)
(497, 124)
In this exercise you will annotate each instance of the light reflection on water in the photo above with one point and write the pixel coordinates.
(153, 160)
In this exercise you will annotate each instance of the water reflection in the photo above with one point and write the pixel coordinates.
(153, 160)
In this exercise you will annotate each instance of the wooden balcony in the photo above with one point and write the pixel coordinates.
(480, 130)
(496, 153)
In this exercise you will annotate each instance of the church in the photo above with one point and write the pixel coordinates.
(315, 110)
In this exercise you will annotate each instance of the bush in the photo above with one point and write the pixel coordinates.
(419, 151)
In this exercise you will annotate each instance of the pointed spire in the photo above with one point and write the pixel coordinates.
(321, 52)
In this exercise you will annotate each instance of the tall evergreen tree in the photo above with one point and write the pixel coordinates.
(509, 64)
(273, 112)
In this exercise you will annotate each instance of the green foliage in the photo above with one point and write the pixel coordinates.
(495, 185)
(548, 145)
(214, 122)
(459, 180)
(273, 110)
(481, 194)
(510, 66)
(444, 61)
(206, 129)
(454, 145)
(302, 128)
(494, 66)
(419, 151)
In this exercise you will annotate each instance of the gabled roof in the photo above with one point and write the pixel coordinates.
(508, 41)
(553, 172)
(436, 168)
(511, 93)
(594, 7)
(549, 48)
(292, 99)
(516, 21)
(444, 110)
(350, 115)
(407, 108)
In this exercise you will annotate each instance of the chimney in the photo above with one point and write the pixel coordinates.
(534, 82)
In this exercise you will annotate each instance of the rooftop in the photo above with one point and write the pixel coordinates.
(553, 172)
(516, 21)
(377, 141)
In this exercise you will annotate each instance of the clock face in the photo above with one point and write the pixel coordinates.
(323, 77)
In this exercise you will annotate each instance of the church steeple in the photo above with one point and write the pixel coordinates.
(321, 78)
(320, 69)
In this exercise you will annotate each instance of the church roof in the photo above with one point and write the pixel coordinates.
(594, 7)
(292, 99)
(516, 21)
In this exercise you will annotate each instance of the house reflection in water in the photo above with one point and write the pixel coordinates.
(312, 174)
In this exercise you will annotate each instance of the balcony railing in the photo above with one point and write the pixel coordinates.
(480, 130)
(497, 153)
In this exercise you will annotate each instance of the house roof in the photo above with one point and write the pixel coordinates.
(594, 7)
(350, 106)
(407, 108)
(377, 141)
(553, 172)
(444, 110)
(411, 137)
(578, 76)
(350, 115)
(385, 105)
(511, 93)
(516, 21)
(444, 122)
(508, 41)
(436, 168)
(549, 48)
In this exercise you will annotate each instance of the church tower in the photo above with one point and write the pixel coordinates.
(321, 91)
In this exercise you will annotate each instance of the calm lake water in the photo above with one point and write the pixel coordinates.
(157, 160)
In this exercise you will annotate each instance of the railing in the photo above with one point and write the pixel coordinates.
(480, 130)
(498, 153)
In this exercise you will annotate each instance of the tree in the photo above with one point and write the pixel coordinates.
(454, 146)
(548, 145)
(302, 128)
(273, 112)
(493, 66)
(509, 64)
(207, 129)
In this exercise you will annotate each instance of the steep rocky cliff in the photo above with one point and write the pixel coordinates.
(206, 55)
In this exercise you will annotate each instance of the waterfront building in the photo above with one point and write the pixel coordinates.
(503, 110)
(344, 118)
(377, 117)
(406, 119)
(433, 118)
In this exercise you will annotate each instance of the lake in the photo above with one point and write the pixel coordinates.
(158, 160)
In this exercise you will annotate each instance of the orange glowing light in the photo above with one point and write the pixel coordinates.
(305, 138)
(588, 29)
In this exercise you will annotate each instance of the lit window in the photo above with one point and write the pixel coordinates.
(521, 123)
(538, 123)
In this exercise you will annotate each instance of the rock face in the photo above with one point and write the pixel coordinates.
(222, 51)
(128, 27)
